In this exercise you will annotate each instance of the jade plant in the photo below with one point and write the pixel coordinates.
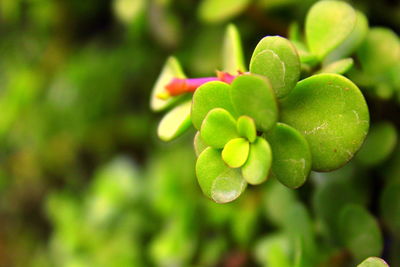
(292, 111)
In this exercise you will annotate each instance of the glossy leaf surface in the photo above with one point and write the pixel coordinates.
(291, 163)
(236, 152)
(257, 167)
(331, 113)
(253, 96)
(218, 128)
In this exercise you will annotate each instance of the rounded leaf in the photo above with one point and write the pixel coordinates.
(218, 128)
(217, 181)
(373, 262)
(208, 96)
(235, 152)
(246, 128)
(379, 51)
(380, 143)
(281, 64)
(175, 122)
(360, 232)
(252, 95)
(172, 69)
(328, 24)
(291, 162)
(331, 113)
(256, 169)
(232, 52)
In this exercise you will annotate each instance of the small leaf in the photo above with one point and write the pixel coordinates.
(360, 232)
(380, 51)
(373, 262)
(218, 128)
(328, 24)
(256, 169)
(281, 64)
(252, 95)
(247, 128)
(212, 11)
(380, 143)
(199, 144)
(171, 69)
(331, 113)
(208, 96)
(291, 163)
(232, 52)
(175, 122)
(339, 67)
(217, 181)
(235, 152)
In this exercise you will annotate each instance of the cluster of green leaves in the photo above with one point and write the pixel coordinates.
(267, 122)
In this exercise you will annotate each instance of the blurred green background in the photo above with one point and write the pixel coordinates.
(84, 181)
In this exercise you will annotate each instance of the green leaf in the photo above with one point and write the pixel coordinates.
(281, 64)
(218, 128)
(273, 250)
(328, 24)
(373, 262)
(208, 96)
(353, 41)
(379, 51)
(247, 128)
(235, 152)
(232, 52)
(291, 163)
(360, 232)
(175, 122)
(331, 113)
(171, 69)
(380, 143)
(256, 169)
(212, 11)
(199, 144)
(252, 95)
(340, 67)
(390, 207)
(217, 181)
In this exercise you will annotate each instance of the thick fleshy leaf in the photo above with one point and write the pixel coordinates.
(171, 69)
(252, 95)
(339, 67)
(235, 152)
(232, 52)
(291, 162)
(328, 24)
(281, 64)
(331, 113)
(199, 144)
(373, 262)
(269, 64)
(379, 51)
(217, 181)
(246, 128)
(352, 42)
(218, 128)
(380, 143)
(360, 232)
(208, 96)
(256, 169)
(212, 11)
(175, 122)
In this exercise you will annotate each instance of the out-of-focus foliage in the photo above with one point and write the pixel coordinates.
(84, 180)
